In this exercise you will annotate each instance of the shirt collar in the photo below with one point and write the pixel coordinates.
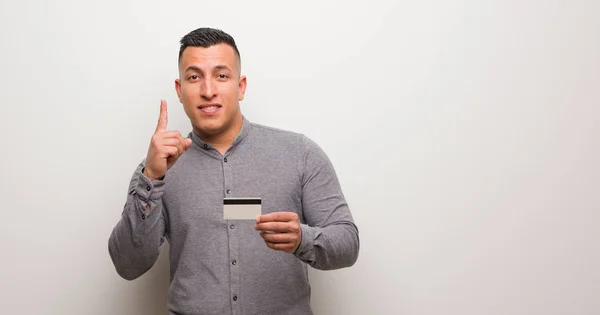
(244, 131)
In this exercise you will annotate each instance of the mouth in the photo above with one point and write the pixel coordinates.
(210, 108)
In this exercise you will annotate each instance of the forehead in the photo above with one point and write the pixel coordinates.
(221, 54)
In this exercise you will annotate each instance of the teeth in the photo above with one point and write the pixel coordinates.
(210, 108)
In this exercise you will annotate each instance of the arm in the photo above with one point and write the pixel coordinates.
(135, 240)
(329, 236)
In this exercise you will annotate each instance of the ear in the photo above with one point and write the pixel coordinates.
(178, 89)
(242, 87)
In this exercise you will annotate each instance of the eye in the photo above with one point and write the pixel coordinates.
(223, 76)
(193, 77)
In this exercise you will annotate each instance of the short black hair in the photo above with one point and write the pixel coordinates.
(207, 37)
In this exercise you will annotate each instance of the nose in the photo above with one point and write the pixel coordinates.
(208, 90)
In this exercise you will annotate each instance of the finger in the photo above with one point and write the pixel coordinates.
(163, 117)
(280, 237)
(187, 142)
(277, 217)
(170, 134)
(279, 227)
(286, 247)
(171, 142)
(172, 138)
(182, 147)
(170, 151)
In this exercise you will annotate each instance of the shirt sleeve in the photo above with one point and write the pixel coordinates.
(329, 235)
(135, 240)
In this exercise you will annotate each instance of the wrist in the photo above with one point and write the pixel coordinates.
(299, 242)
(150, 175)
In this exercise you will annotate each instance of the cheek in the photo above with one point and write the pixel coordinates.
(188, 90)
(231, 92)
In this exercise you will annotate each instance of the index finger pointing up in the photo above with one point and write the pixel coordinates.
(163, 118)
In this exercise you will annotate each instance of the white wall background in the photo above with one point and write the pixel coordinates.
(466, 135)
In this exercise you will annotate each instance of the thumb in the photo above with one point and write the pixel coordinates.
(187, 142)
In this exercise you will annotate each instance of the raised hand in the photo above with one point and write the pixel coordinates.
(165, 147)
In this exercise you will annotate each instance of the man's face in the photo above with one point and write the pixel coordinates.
(210, 87)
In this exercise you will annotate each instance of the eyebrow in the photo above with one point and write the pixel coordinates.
(217, 67)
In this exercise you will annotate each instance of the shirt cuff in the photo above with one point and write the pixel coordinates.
(147, 193)
(147, 189)
(306, 250)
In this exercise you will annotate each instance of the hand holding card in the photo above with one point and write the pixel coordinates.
(280, 230)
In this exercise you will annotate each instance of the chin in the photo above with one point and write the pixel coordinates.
(209, 129)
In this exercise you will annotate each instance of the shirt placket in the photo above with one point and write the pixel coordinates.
(233, 228)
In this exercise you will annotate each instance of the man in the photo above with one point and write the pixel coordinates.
(177, 192)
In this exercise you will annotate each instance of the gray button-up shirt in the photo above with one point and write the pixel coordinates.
(223, 266)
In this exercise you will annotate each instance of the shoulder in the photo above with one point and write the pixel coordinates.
(278, 136)
(273, 131)
(286, 139)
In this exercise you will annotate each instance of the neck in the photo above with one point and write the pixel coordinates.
(223, 141)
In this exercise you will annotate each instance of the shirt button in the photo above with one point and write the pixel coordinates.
(234, 262)
(225, 160)
(228, 191)
(148, 188)
(205, 146)
(232, 226)
(235, 297)
(143, 216)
